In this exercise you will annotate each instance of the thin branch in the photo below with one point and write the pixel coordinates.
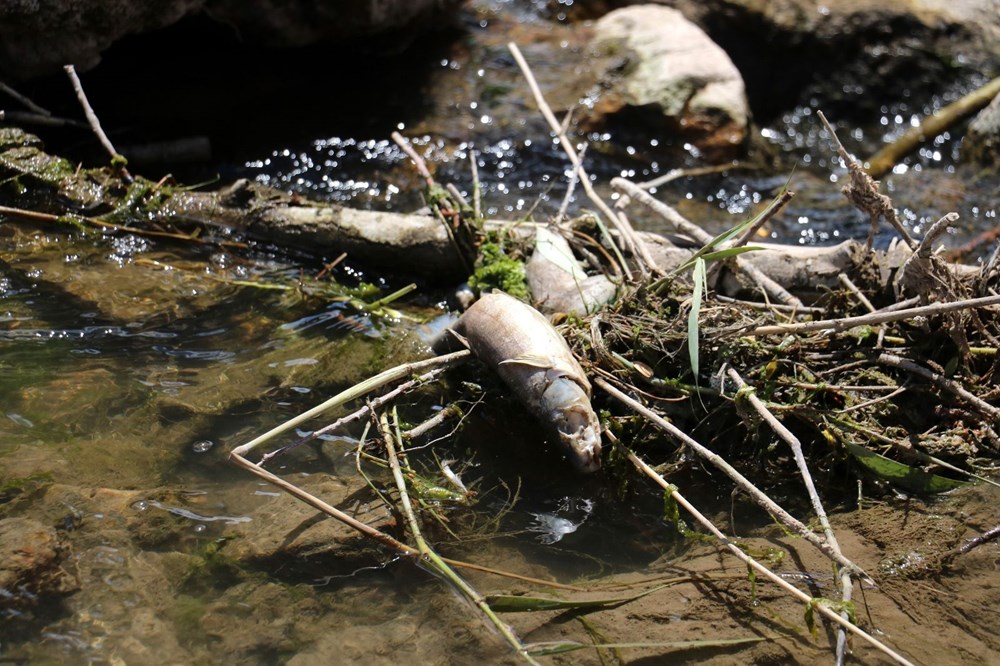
(846, 583)
(636, 244)
(25, 101)
(377, 535)
(901, 305)
(775, 307)
(443, 415)
(574, 177)
(858, 294)
(29, 118)
(417, 160)
(477, 194)
(863, 193)
(942, 381)
(357, 414)
(675, 174)
(95, 124)
(741, 481)
(682, 225)
(880, 317)
(793, 442)
(987, 536)
(356, 391)
(433, 559)
(760, 568)
(78, 221)
(884, 160)
(319, 504)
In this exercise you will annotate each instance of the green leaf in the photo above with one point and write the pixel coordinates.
(908, 477)
(699, 287)
(554, 249)
(544, 649)
(509, 603)
(719, 255)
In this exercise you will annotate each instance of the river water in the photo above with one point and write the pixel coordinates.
(131, 367)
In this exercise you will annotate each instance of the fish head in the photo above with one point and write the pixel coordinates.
(583, 444)
(576, 424)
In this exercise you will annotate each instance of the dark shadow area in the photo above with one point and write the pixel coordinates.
(197, 78)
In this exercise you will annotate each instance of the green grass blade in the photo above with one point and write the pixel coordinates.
(544, 649)
(719, 255)
(908, 477)
(699, 288)
(508, 603)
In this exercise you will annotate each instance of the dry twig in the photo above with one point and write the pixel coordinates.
(741, 481)
(760, 568)
(846, 583)
(635, 243)
(683, 226)
(95, 124)
(863, 193)
(434, 560)
(874, 318)
(947, 384)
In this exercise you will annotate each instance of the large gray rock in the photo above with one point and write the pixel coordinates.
(300, 22)
(849, 56)
(674, 76)
(39, 37)
(982, 141)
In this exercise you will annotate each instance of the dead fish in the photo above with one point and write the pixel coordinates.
(558, 282)
(520, 344)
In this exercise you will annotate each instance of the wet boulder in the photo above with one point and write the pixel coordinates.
(30, 564)
(37, 38)
(301, 22)
(848, 57)
(981, 144)
(671, 78)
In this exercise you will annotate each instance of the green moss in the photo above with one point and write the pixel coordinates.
(11, 488)
(186, 615)
(131, 208)
(13, 137)
(213, 570)
(28, 160)
(495, 269)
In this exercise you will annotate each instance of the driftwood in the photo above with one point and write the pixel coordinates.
(404, 243)
(884, 160)
(421, 244)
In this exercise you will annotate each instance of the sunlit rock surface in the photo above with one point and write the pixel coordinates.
(674, 74)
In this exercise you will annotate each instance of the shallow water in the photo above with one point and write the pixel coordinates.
(125, 385)
(129, 369)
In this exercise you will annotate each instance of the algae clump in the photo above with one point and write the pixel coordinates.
(495, 269)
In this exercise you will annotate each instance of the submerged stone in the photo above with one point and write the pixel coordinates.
(31, 556)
